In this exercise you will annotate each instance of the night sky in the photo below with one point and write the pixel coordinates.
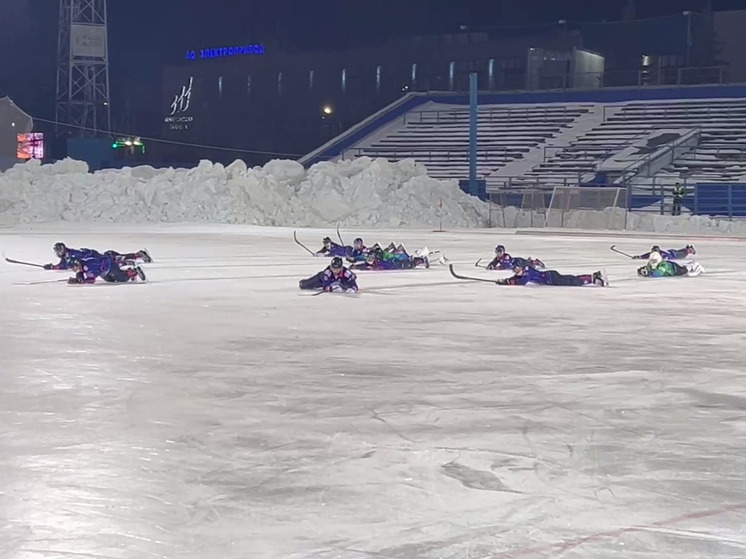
(146, 35)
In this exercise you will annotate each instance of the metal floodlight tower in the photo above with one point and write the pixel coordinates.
(83, 67)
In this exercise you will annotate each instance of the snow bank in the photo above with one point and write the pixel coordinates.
(618, 219)
(363, 192)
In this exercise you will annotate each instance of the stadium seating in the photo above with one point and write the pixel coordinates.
(552, 144)
(719, 157)
(440, 138)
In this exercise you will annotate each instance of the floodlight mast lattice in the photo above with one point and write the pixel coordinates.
(82, 98)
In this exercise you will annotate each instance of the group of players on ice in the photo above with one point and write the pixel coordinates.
(88, 264)
(339, 278)
(115, 267)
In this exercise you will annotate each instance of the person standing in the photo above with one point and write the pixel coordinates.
(679, 192)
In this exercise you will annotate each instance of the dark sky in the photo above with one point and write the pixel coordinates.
(145, 35)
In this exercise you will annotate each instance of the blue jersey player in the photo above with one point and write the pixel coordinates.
(335, 278)
(524, 275)
(504, 261)
(359, 251)
(103, 266)
(68, 255)
(331, 248)
(669, 254)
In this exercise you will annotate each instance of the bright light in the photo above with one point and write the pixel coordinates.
(327, 110)
(128, 143)
(13, 124)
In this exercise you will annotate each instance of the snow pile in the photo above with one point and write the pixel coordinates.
(619, 219)
(363, 192)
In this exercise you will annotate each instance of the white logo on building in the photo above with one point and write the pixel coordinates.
(183, 100)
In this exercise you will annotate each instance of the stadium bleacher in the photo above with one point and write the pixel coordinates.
(719, 157)
(440, 138)
(561, 143)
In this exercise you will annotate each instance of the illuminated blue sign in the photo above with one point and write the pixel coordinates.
(223, 52)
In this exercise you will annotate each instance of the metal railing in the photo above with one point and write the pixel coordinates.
(659, 108)
(451, 116)
(644, 164)
(486, 156)
(498, 184)
(725, 201)
(641, 77)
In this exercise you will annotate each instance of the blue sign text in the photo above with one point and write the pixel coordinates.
(223, 52)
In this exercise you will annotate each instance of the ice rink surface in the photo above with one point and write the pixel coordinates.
(216, 412)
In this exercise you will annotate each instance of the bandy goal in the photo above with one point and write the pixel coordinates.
(587, 207)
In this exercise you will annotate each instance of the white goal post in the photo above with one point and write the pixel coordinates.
(587, 207)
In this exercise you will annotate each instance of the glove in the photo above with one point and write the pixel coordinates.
(336, 288)
(75, 280)
(49, 266)
(636, 257)
(502, 282)
(490, 267)
(350, 290)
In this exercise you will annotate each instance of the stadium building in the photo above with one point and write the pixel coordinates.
(254, 97)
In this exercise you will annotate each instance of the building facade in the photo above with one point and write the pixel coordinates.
(258, 103)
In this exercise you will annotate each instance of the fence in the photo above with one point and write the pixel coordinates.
(721, 200)
(528, 207)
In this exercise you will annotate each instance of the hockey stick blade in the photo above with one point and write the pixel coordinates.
(11, 261)
(468, 278)
(613, 248)
(477, 265)
(308, 250)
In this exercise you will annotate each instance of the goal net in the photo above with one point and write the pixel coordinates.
(521, 207)
(587, 207)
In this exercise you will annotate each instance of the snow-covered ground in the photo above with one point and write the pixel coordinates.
(217, 412)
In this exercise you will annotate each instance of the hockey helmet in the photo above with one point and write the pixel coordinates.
(655, 248)
(336, 263)
(500, 249)
(519, 269)
(357, 243)
(60, 249)
(654, 260)
(327, 242)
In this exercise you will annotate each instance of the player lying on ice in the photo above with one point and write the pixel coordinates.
(657, 267)
(503, 261)
(375, 260)
(524, 275)
(105, 267)
(68, 255)
(335, 278)
(399, 253)
(670, 254)
(359, 251)
(330, 248)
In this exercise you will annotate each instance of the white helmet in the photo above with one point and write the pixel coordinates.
(654, 259)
